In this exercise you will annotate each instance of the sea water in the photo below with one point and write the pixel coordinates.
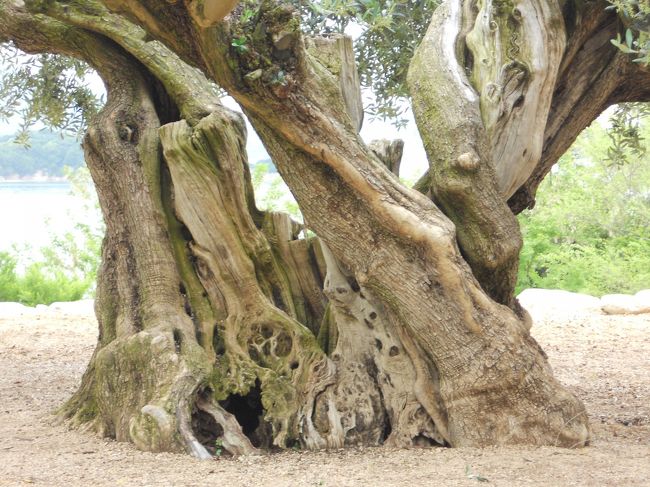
(31, 213)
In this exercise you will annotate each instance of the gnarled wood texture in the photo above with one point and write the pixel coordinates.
(462, 174)
(216, 306)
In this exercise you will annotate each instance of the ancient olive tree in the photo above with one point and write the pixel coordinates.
(397, 324)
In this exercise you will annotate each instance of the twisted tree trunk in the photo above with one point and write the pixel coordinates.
(218, 323)
(221, 331)
(205, 304)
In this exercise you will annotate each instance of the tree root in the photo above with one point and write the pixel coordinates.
(233, 438)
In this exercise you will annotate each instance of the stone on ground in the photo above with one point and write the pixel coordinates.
(15, 309)
(624, 304)
(542, 302)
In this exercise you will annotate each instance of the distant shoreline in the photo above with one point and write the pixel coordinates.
(34, 178)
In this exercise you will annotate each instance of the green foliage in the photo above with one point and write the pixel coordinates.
(240, 44)
(625, 132)
(590, 229)
(218, 447)
(9, 289)
(45, 88)
(636, 17)
(271, 193)
(48, 153)
(40, 283)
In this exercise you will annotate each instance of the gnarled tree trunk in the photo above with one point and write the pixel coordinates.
(398, 324)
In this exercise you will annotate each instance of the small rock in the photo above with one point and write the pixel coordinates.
(624, 304)
(643, 297)
(540, 302)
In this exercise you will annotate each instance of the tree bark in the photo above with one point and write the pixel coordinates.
(199, 293)
(228, 310)
(593, 76)
(398, 326)
(589, 76)
(471, 356)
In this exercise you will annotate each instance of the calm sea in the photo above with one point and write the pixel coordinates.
(32, 212)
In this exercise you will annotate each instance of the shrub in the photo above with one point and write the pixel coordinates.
(590, 229)
(39, 284)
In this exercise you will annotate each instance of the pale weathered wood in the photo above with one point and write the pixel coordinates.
(462, 176)
(336, 53)
(517, 49)
(206, 13)
(389, 152)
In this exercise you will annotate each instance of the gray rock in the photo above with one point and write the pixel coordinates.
(85, 307)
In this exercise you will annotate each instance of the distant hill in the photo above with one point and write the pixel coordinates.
(48, 154)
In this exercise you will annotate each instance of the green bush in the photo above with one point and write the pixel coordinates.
(590, 229)
(9, 288)
(39, 284)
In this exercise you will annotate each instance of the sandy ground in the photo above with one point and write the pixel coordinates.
(604, 359)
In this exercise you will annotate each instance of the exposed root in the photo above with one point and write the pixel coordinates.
(192, 444)
(233, 438)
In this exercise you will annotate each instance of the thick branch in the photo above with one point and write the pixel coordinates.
(593, 76)
(462, 176)
(516, 49)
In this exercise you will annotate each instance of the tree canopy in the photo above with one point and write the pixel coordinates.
(47, 88)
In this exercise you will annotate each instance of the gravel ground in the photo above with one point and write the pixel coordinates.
(604, 359)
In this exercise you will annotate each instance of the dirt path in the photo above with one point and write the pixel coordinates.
(606, 360)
